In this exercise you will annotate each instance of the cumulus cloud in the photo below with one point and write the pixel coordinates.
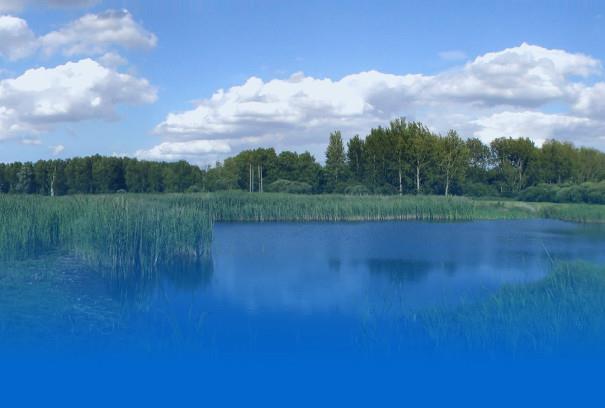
(538, 126)
(95, 33)
(112, 60)
(16, 38)
(185, 150)
(57, 149)
(496, 94)
(527, 75)
(591, 100)
(91, 34)
(73, 92)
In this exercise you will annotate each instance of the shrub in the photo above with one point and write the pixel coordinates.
(541, 192)
(479, 190)
(289, 186)
(357, 189)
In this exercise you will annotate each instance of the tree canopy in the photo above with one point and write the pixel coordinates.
(402, 158)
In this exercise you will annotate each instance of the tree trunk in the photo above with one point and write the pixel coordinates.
(52, 183)
(400, 183)
(417, 178)
(447, 182)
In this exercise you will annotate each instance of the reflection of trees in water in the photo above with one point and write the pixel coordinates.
(182, 274)
(404, 270)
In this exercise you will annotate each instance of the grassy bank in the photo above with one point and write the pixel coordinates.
(564, 311)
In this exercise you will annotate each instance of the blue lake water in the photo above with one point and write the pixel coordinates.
(275, 303)
(309, 290)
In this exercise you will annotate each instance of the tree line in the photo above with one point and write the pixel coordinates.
(401, 158)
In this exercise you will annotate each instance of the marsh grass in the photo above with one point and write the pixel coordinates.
(585, 213)
(289, 207)
(129, 235)
(122, 234)
(564, 312)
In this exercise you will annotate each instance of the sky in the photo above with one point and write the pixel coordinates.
(203, 80)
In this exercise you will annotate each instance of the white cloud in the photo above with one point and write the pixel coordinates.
(18, 5)
(32, 141)
(95, 33)
(112, 60)
(190, 150)
(75, 91)
(57, 149)
(591, 100)
(538, 126)
(16, 38)
(496, 94)
(527, 75)
(91, 34)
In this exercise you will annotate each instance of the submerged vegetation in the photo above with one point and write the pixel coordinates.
(563, 313)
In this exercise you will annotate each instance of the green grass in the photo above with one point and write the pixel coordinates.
(564, 311)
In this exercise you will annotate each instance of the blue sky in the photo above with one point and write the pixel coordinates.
(143, 78)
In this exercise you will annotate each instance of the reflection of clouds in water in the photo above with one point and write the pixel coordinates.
(305, 287)
(321, 268)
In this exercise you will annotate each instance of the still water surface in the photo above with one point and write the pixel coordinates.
(303, 289)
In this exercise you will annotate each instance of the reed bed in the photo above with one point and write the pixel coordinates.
(121, 233)
(234, 207)
(563, 312)
(584, 213)
(128, 232)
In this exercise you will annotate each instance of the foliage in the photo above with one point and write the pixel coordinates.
(287, 186)
(589, 192)
(357, 189)
(400, 158)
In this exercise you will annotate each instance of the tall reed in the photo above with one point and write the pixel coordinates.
(122, 233)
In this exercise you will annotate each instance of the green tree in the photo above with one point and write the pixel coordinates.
(590, 165)
(355, 157)
(557, 161)
(25, 179)
(453, 158)
(335, 161)
(515, 158)
(479, 160)
(421, 148)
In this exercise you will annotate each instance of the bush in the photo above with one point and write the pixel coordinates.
(194, 189)
(539, 193)
(386, 189)
(590, 193)
(357, 189)
(479, 190)
(288, 186)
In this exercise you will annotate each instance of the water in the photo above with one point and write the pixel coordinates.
(281, 292)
